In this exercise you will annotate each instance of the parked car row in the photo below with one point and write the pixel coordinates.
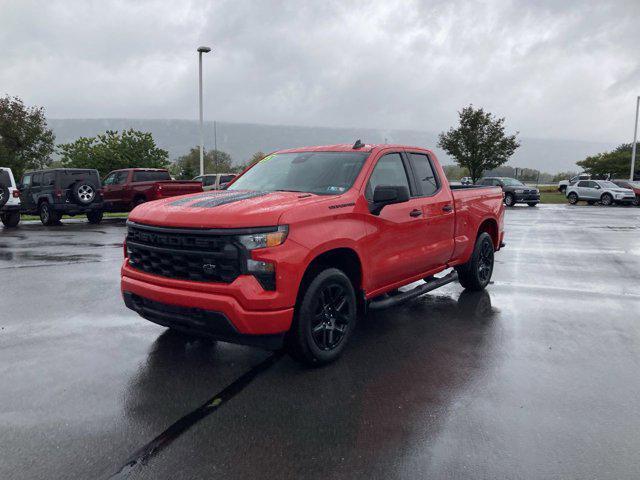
(52, 193)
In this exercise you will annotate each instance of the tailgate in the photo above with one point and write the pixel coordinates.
(171, 188)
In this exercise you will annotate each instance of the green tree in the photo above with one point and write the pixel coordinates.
(479, 143)
(616, 163)
(26, 142)
(215, 161)
(454, 172)
(112, 151)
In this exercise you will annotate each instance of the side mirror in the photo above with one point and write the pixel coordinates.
(385, 195)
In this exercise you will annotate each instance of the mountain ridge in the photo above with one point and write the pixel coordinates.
(241, 140)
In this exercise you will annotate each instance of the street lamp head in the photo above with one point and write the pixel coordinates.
(204, 49)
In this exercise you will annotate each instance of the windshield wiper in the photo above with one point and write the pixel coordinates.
(287, 190)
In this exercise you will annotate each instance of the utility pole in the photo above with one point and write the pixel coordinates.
(635, 141)
(215, 144)
(201, 50)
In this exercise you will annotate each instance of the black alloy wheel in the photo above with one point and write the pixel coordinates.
(573, 198)
(485, 262)
(325, 316)
(606, 199)
(332, 317)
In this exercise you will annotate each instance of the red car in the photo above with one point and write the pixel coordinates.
(122, 190)
(635, 186)
(304, 241)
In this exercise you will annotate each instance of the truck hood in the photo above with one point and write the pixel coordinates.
(221, 209)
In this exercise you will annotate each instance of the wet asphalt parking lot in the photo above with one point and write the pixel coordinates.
(538, 377)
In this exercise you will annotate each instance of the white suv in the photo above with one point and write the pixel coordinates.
(602, 191)
(9, 199)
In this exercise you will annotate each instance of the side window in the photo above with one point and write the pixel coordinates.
(427, 179)
(388, 171)
(226, 178)
(583, 184)
(209, 180)
(121, 178)
(592, 184)
(197, 179)
(110, 178)
(37, 180)
(49, 179)
(26, 180)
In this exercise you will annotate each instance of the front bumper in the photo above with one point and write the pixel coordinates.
(243, 304)
(527, 197)
(198, 321)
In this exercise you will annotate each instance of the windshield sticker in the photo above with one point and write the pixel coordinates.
(335, 189)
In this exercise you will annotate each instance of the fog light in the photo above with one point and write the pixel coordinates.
(264, 272)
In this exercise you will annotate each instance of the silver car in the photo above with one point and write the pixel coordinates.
(603, 191)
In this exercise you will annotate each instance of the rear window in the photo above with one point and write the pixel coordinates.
(4, 178)
(150, 176)
(66, 178)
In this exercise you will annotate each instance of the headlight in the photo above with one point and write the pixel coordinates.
(264, 240)
(519, 190)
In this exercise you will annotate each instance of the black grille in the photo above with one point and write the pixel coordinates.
(184, 254)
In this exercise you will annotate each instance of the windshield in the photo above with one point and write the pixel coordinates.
(322, 173)
(512, 182)
(606, 184)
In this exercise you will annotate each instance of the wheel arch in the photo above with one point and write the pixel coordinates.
(490, 226)
(345, 259)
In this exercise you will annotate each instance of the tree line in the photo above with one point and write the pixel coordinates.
(479, 144)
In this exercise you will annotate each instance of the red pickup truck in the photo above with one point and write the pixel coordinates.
(305, 241)
(122, 190)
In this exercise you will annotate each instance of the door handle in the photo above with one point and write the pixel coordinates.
(415, 213)
(447, 208)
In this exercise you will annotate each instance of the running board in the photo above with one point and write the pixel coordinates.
(413, 293)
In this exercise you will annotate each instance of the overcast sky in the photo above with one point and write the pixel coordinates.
(561, 69)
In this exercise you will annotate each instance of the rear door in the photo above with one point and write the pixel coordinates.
(26, 199)
(438, 213)
(36, 188)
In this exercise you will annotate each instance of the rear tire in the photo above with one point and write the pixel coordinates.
(48, 217)
(95, 216)
(10, 219)
(324, 319)
(476, 273)
(606, 199)
(573, 198)
(509, 199)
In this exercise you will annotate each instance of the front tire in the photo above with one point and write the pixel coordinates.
(573, 198)
(606, 199)
(95, 216)
(476, 273)
(532, 204)
(636, 201)
(10, 219)
(509, 200)
(324, 319)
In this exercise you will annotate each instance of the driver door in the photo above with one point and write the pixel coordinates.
(397, 236)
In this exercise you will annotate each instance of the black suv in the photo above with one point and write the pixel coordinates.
(514, 190)
(61, 191)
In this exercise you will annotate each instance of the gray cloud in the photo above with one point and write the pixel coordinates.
(555, 69)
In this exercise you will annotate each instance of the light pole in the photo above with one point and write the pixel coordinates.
(635, 141)
(201, 50)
